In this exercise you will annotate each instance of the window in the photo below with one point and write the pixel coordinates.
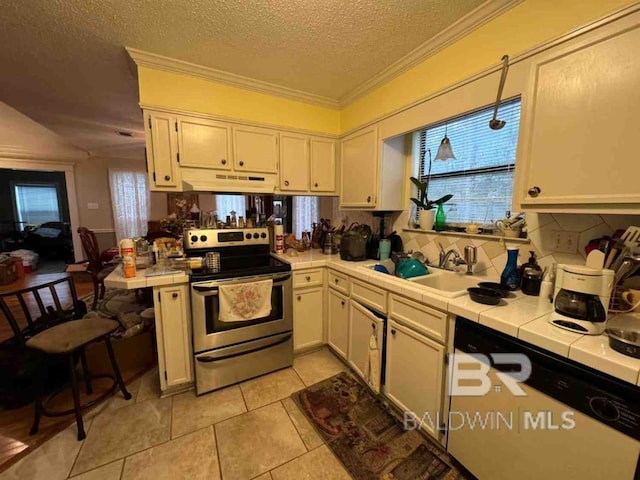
(130, 200)
(36, 203)
(305, 212)
(225, 204)
(481, 177)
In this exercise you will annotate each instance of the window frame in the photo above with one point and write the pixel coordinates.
(14, 200)
(420, 167)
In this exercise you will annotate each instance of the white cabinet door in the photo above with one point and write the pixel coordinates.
(294, 162)
(579, 142)
(308, 327)
(323, 164)
(415, 374)
(359, 169)
(338, 322)
(162, 152)
(255, 149)
(204, 143)
(173, 331)
(362, 324)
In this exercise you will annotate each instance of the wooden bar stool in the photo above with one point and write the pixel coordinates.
(70, 339)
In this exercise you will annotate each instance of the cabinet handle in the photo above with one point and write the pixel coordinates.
(308, 278)
(336, 280)
(534, 191)
(224, 162)
(299, 298)
(369, 199)
(393, 332)
(315, 184)
(174, 295)
(167, 178)
(373, 326)
(286, 183)
(242, 164)
(342, 303)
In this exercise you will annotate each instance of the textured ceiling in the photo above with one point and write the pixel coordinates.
(64, 65)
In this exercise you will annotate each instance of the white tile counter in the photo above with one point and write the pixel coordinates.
(519, 315)
(116, 279)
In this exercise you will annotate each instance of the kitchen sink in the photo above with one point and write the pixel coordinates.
(445, 283)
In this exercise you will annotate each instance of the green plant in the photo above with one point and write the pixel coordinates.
(422, 201)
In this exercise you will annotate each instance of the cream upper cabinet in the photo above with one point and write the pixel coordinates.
(579, 139)
(359, 169)
(415, 374)
(204, 143)
(322, 164)
(294, 162)
(255, 149)
(162, 152)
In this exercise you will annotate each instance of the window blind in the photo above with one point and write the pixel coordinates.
(481, 177)
(36, 204)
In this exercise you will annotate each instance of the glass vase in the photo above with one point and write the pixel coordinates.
(440, 219)
(510, 277)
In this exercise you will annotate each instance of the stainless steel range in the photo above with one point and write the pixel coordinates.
(229, 352)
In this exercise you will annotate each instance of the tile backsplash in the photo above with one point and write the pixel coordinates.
(492, 254)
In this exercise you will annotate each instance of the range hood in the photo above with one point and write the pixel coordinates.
(206, 181)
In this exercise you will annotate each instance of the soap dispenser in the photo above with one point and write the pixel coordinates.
(510, 277)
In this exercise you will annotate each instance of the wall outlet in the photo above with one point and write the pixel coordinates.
(564, 242)
(92, 206)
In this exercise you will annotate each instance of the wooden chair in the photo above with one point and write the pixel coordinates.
(97, 269)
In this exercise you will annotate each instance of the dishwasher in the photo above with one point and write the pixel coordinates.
(573, 423)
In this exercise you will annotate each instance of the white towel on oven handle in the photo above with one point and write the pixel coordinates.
(242, 302)
(372, 365)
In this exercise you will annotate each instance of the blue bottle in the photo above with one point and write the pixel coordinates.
(510, 277)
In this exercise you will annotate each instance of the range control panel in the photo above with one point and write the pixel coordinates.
(201, 238)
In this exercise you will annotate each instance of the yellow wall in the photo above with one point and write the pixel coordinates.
(521, 28)
(160, 88)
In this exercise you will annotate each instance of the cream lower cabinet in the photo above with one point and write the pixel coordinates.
(173, 334)
(338, 322)
(308, 321)
(415, 375)
(367, 362)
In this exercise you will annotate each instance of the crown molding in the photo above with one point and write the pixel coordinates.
(159, 62)
(21, 153)
(470, 22)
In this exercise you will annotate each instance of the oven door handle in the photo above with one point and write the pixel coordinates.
(236, 351)
(212, 288)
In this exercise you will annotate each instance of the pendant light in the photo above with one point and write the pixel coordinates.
(444, 150)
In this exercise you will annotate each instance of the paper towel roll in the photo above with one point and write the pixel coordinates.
(278, 231)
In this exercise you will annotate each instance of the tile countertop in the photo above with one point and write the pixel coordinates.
(519, 315)
(117, 280)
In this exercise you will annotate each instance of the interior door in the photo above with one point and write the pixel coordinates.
(415, 374)
(322, 164)
(164, 146)
(204, 144)
(588, 451)
(256, 149)
(362, 324)
(294, 162)
(338, 322)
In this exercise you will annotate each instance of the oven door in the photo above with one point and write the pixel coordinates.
(210, 333)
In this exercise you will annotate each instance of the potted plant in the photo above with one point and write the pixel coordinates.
(426, 218)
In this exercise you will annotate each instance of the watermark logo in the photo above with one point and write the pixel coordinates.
(469, 373)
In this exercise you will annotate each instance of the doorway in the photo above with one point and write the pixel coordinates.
(35, 217)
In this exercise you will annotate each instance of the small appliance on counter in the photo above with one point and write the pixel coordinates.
(582, 297)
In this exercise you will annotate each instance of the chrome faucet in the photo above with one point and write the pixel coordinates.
(470, 258)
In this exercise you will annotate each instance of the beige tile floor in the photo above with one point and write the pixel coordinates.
(253, 430)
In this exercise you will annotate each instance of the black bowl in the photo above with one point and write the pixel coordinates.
(496, 287)
(484, 295)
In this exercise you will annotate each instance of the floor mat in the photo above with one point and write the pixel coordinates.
(369, 441)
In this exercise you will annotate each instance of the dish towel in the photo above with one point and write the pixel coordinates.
(372, 366)
(245, 301)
